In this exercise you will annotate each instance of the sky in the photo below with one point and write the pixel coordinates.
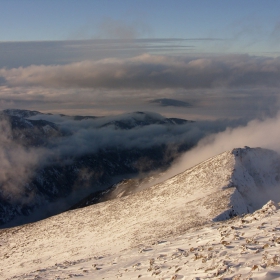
(108, 57)
(253, 25)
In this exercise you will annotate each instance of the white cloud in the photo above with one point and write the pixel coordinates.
(148, 72)
(257, 133)
(17, 164)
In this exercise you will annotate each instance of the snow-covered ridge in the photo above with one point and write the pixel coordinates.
(228, 184)
(255, 178)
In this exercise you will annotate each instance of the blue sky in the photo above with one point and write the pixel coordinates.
(253, 25)
(99, 57)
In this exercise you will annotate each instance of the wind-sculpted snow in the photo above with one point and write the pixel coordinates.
(191, 199)
(255, 180)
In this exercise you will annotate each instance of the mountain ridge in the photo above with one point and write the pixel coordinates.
(71, 159)
(213, 190)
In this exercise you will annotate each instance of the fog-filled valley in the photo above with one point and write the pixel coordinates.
(50, 162)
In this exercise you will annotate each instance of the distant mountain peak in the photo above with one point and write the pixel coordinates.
(21, 113)
(139, 119)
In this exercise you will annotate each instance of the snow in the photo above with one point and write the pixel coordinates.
(241, 248)
(164, 232)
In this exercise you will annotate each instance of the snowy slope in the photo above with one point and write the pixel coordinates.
(231, 183)
(240, 248)
(255, 171)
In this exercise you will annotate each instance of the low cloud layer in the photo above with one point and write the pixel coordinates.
(171, 102)
(150, 72)
(230, 86)
(88, 136)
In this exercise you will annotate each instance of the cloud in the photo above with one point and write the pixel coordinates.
(216, 87)
(119, 29)
(206, 103)
(17, 165)
(152, 72)
(256, 133)
(23, 54)
(171, 102)
(91, 135)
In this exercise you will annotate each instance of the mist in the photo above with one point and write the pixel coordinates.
(20, 162)
(17, 165)
(93, 134)
(257, 133)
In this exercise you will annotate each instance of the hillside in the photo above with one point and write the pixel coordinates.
(50, 162)
(229, 184)
(242, 248)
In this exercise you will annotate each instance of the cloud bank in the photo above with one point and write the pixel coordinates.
(90, 135)
(230, 86)
(150, 72)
